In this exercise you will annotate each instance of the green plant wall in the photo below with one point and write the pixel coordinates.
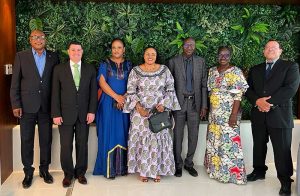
(246, 28)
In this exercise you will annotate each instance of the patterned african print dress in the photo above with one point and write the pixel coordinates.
(150, 154)
(224, 157)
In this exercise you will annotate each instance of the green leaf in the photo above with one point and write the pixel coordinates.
(137, 45)
(260, 27)
(239, 28)
(128, 38)
(255, 37)
(36, 24)
(175, 42)
(247, 13)
(178, 26)
(200, 45)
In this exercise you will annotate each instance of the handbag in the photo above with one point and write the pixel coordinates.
(160, 120)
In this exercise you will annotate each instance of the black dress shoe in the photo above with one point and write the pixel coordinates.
(191, 171)
(47, 177)
(27, 181)
(255, 176)
(285, 189)
(178, 172)
(66, 182)
(82, 179)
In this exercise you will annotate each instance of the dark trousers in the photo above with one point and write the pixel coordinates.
(281, 141)
(27, 126)
(67, 132)
(188, 114)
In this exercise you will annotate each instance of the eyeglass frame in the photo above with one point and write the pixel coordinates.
(38, 37)
(225, 56)
(186, 45)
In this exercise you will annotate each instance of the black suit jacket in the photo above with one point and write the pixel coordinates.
(282, 84)
(28, 90)
(69, 103)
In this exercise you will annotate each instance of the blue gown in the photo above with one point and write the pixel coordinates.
(112, 124)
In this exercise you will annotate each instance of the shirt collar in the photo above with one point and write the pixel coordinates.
(185, 58)
(72, 63)
(34, 52)
(274, 61)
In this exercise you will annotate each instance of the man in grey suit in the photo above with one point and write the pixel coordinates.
(30, 94)
(73, 108)
(189, 72)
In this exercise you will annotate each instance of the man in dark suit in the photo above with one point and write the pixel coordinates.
(73, 107)
(272, 86)
(30, 98)
(190, 75)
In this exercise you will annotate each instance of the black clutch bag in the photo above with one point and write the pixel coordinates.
(160, 120)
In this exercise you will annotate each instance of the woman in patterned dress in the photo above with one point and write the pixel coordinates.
(224, 157)
(150, 85)
(112, 123)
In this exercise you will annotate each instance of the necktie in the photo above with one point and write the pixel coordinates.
(269, 68)
(189, 76)
(76, 75)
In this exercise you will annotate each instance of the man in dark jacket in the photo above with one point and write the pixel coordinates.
(272, 86)
(73, 108)
(30, 98)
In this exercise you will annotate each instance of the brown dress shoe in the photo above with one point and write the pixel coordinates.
(66, 182)
(82, 179)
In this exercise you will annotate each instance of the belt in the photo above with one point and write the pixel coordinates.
(188, 96)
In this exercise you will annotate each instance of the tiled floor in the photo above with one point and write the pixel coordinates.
(129, 185)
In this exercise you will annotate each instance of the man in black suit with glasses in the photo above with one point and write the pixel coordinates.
(30, 96)
(272, 86)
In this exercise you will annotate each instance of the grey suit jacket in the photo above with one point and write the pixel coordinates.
(177, 68)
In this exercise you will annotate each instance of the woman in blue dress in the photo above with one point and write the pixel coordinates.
(112, 123)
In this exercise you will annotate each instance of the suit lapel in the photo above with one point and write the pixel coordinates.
(260, 75)
(274, 69)
(83, 73)
(32, 63)
(47, 64)
(69, 75)
(182, 67)
(195, 71)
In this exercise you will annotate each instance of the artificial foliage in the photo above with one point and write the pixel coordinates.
(246, 28)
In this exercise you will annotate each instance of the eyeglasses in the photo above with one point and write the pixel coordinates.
(36, 37)
(189, 45)
(225, 56)
(272, 48)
